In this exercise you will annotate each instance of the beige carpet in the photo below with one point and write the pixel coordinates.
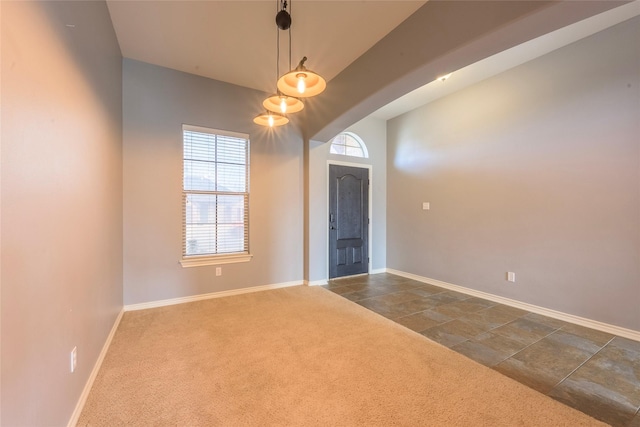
(298, 356)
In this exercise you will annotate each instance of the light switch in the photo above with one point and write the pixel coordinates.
(425, 206)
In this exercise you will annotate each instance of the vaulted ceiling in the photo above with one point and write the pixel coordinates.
(370, 52)
(235, 41)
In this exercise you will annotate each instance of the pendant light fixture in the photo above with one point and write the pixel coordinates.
(279, 104)
(271, 119)
(302, 82)
(298, 83)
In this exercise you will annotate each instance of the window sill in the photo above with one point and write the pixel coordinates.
(199, 261)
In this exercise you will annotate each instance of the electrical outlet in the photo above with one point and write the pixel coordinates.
(511, 276)
(74, 359)
(426, 206)
(218, 271)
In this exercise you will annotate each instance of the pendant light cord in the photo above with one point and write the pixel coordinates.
(278, 5)
(282, 5)
(290, 11)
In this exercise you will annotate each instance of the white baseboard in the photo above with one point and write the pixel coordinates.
(378, 271)
(593, 324)
(182, 300)
(94, 373)
(316, 282)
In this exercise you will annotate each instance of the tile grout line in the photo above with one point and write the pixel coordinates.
(404, 315)
(469, 339)
(394, 319)
(580, 365)
(490, 330)
(494, 328)
(458, 318)
(439, 324)
(524, 348)
(375, 296)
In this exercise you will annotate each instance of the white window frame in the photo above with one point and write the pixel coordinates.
(214, 259)
(363, 146)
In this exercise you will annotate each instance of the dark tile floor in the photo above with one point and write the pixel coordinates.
(592, 371)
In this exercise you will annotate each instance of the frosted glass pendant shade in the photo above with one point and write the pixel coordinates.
(276, 102)
(271, 119)
(301, 82)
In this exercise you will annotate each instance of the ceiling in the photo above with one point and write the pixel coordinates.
(235, 41)
(508, 59)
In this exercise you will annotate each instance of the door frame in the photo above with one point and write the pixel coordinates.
(370, 213)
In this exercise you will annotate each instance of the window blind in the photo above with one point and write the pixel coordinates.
(215, 196)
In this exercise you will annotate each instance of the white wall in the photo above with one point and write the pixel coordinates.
(61, 203)
(373, 133)
(157, 101)
(535, 171)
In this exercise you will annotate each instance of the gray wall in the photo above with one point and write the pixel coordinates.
(373, 133)
(535, 171)
(157, 101)
(61, 203)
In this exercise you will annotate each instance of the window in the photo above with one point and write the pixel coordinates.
(349, 144)
(215, 197)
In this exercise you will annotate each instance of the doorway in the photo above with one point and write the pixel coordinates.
(348, 221)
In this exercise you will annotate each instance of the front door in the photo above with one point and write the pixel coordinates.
(348, 221)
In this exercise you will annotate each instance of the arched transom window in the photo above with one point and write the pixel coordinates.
(349, 144)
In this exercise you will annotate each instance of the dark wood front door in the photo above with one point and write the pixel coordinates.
(348, 221)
